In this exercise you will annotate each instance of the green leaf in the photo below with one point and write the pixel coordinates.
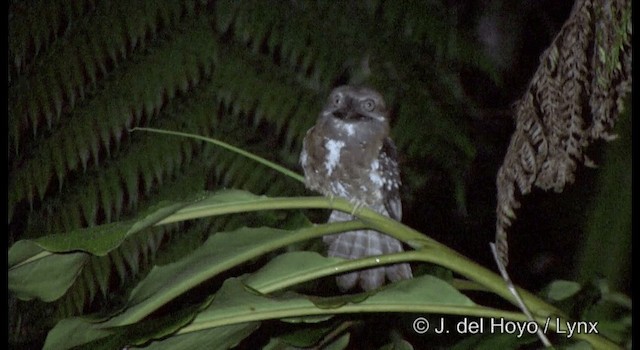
(236, 303)
(295, 267)
(339, 301)
(560, 290)
(46, 278)
(79, 333)
(74, 331)
(223, 338)
(307, 336)
(37, 269)
(220, 252)
(307, 319)
(83, 332)
(100, 240)
(284, 267)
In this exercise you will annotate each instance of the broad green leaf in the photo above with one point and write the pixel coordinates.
(225, 337)
(102, 239)
(220, 252)
(45, 268)
(87, 333)
(307, 336)
(72, 332)
(236, 303)
(22, 251)
(98, 240)
(46, 278)
(236, 201)
(284, 267)
(306, 319)
(340, 300)
(37, 271)
(295, 267)
(560, 290)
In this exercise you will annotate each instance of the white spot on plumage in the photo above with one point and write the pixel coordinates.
(334, 147)
(374, 175)
(345, 128)
(350, 128)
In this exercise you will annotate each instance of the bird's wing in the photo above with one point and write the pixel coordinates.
(388, 159)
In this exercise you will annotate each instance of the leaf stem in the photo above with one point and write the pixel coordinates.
(229, 147)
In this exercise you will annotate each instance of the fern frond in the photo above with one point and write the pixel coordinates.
(554, 123)
(156, 74)
(108, 191)
(37, 25)
(90, 46)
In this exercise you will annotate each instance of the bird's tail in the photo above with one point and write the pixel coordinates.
(364, 243)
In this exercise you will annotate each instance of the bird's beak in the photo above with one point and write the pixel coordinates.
(342, 113)
(347, 112)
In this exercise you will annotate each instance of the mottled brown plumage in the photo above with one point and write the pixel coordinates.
(349, 154)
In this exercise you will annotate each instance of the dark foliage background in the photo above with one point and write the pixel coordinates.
(255, 74)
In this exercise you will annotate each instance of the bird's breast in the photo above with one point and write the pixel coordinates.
(343, 166)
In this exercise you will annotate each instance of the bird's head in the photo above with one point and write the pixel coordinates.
(351, 104)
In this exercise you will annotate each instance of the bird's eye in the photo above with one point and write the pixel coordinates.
(368, 105)
(336, 99)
